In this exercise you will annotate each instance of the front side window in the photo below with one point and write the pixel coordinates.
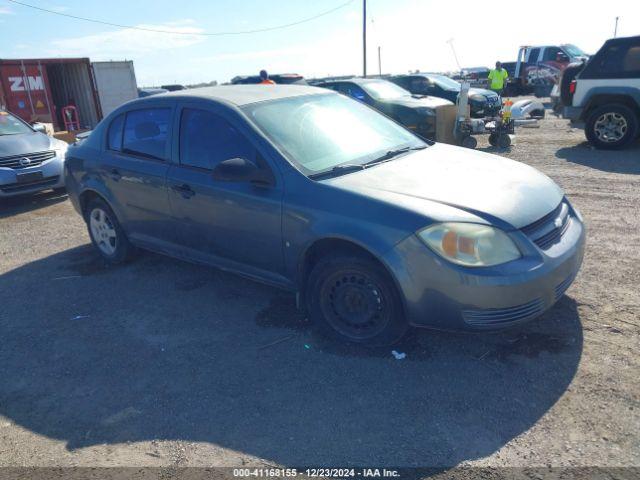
(207, 139)
(319, 132)
(146, 133)
(114, 137)
(551, 54)
(11, 125)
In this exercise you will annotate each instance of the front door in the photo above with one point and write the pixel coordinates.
(219, 221)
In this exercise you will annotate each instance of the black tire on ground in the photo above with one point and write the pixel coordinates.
(352, 298)
(612, 114)
(493, 139)
(469, 142)
(504, 141)
(122, 249)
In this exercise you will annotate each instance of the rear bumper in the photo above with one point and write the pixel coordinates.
(574, 114)
(441, 295)
(52, 177)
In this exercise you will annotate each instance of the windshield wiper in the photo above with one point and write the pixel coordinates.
(338, 170)
(392, 154)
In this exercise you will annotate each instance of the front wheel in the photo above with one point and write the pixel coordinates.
(353, 298)
(611, 126)
(106, 233)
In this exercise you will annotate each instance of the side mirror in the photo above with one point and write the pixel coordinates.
(39, 127)
(242, 170)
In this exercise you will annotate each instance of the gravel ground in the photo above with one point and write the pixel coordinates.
(163, 363)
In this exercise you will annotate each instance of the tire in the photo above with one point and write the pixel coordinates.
(106, 234)
(352, 298)
(493, 139)
(469, 142)
(504, 141)
(611, 126)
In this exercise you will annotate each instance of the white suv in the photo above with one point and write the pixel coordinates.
(603, 95)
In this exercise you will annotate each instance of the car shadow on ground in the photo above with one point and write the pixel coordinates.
(626, 160)
(161, 349)
(25, 203)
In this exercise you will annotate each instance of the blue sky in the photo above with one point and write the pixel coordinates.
(412, 34)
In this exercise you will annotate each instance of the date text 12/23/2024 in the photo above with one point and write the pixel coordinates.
(315, 472)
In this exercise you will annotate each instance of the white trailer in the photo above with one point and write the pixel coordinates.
(115, 83)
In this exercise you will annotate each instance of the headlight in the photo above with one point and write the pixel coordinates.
(60, 148)
(429, 112)
(470, 244)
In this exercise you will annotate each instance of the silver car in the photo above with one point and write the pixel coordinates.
(30, 160)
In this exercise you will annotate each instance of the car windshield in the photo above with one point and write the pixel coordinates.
(384, 90)
(445, 83)
(574, 51)
(11, 125)
(320, 132)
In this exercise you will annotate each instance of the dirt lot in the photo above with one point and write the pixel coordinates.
(163, 363)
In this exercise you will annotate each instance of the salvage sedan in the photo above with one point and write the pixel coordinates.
(374, 228)
(30, 161)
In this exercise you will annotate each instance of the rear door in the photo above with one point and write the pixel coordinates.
(235, 222)
(134, 169)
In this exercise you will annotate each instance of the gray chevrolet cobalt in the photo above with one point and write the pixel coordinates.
(374, 229)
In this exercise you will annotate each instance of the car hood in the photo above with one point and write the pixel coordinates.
(24, 143)
(420, 101)
(483, 185)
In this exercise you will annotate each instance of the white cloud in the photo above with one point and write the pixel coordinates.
(129, 42)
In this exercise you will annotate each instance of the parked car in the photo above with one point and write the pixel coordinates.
(603, 95)
(173, 88)
(416, 113)
(147, 92)
(373, 227)
(30, 160)
(482, 102)
(279, 78)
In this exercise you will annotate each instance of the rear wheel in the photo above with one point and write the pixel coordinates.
(352, 297)
(611, 126)
(106, 233)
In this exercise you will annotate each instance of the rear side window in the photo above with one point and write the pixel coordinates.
(620, 60)
(206, 139)
(145, 133)
(533, 56)
(114, 137)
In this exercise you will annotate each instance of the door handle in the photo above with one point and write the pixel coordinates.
(115, 174)
(185, 190)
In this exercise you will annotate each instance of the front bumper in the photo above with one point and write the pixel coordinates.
(52, 177)
(442, 295)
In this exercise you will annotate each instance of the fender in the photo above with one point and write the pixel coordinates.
(631, 92)
(90, 183)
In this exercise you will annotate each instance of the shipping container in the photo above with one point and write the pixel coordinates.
(115, 83)
(38, 89)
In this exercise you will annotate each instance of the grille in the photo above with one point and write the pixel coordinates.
(35, 159)
(19, 187)
(503, 316)
(548, 230)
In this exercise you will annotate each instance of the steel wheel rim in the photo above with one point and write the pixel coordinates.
(103, 231)
(354, 305)
(610, 127)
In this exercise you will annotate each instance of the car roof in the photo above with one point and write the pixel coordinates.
(240, 95)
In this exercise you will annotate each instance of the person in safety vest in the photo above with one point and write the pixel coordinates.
(264, 78)
(497, 77)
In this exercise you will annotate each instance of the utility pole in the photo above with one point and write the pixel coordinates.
(364, 38)
(379, 61)
(455, 56)
(615, 30)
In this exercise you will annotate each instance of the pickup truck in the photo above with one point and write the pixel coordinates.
(538, 68)
(603, 95)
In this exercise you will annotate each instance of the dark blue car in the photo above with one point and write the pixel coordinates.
(374, 228)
